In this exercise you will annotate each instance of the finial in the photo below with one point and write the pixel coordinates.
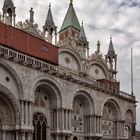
(71, 1)
(110, 37)
(98, 47)
(82, 22)
(49, 5)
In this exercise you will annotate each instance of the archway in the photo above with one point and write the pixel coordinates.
(81, 113)
(110, 116)
(47, 100)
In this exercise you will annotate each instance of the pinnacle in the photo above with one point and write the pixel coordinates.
(70, 19)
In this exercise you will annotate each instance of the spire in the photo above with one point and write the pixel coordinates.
(49, 19)
(111, 58)
(71, 1)
(111, 51)
(83, 43)
(82, 35)
(8, 4)
(70, 19)
(9, 12)
(50, 26)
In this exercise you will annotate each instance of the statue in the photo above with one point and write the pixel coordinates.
(31, 15)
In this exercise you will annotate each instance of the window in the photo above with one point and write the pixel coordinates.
(40, 125)
(75, 138)
(45, 48)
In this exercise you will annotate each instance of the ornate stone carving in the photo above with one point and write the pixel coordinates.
(31, 27)
(97, 56)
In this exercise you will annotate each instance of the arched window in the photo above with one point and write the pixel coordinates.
(75, 138)
(40, 125)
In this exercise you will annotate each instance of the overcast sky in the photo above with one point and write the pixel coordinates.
(102, 18)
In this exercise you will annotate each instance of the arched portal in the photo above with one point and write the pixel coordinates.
(110, 116)
(47, 100)
(40, 127)
(81, 112)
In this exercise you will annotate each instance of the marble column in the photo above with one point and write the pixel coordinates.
(30, 114)
(100, 122)
(117, 128)
(23, 136)
(94, 124)
(29, 136)
(17, 135)
(57, 137)
(48, 133)
(97, 124)
(3, 135)
(66, 119)
(26, 113)
(35, 130)
(51, 119)
(88, 120)
(62, 119)
(41, 132)
(69, 137)
(22, 110)
(63, 137)
(70, 117)
(57, 119)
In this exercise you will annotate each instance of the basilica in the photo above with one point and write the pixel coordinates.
(51, 88)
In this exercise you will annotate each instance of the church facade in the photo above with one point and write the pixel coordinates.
(65, 95)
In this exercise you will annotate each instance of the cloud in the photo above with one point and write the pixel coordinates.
(102, 18)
